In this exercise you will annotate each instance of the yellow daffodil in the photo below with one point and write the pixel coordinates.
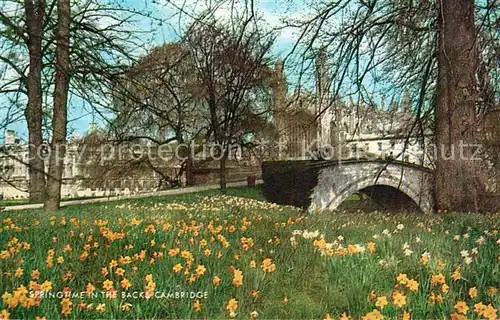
(412, 285)
(398, 299)
(35, 274)
(371, 247)
(89, 289)
(120, 272)
(479, 308)
(381, 302)
(492, 291)
(473, 292)
(197, 305)
(231, 306)
(461, 307)
(456, 316)
(402, 278)
(4, 315)
(66, 306)
(237, 278)
(101, 307)
(456, 275)
(200, 270)
(268, 266)
(437, 279)
(46, 286)
(490, 312)
(125, 284)
(19, 272)
(177, 268)
(373, 315)
(107, 285)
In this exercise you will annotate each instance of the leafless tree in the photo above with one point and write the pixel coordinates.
(60, 108)
(402, 44)
(232, 66)
(157, 101)
(212, 86)
(26, 30)
(102, 44)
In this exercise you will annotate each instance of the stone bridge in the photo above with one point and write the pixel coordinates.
(324, 185)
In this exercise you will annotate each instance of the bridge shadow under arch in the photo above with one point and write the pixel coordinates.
(381, 198)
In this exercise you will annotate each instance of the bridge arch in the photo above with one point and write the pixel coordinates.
(336, 183)
(400, 191)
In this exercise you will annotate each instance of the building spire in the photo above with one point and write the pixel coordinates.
(393, 105)
(93, 125)
(405, 103)
(372, 102)
(279, 88)
(321, 77)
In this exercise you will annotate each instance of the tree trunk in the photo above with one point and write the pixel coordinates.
(460, 182)
(189, 170)
(59, 115)
(34, 24)
(222, 172)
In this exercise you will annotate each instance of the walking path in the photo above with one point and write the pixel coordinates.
(134, 196)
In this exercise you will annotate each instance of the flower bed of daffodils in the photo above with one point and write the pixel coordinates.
(232, 257)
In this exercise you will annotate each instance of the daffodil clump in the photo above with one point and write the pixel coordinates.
(236, 257)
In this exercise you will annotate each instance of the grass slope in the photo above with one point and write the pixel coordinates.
(331, 264)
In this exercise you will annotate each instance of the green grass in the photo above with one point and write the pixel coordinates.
(16, 202)
(314, 279)
(13, 202)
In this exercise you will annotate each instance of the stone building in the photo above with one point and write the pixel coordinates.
(84, 174)
(312, 124)
(96, 168)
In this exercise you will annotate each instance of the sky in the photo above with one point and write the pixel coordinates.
(271, 13)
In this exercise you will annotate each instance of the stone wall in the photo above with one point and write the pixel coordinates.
(210, 175)
(290, 182)
(72, 188)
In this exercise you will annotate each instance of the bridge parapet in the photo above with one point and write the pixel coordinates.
(324, 185)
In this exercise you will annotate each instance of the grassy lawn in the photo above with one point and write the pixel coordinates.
(245, 258)
(13, 202)
(17, 202)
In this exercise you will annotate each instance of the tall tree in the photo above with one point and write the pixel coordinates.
(104, 41)
(157, 100)
(232, 67)
(436, 49)
(211, 87)
(60, 107)
(35, 22)
(460, 180)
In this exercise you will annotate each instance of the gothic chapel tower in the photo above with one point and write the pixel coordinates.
(324, 108)
(279, 97)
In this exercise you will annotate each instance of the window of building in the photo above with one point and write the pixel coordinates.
(379, 146)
